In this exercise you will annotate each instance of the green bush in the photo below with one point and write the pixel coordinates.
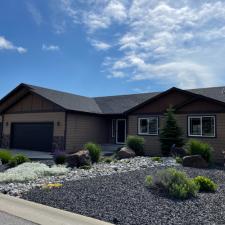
(179, 160)
(108, 159)
(175, 183)
(5, 156)
(18, 159)
(195, 147)
(205, 184)
(85, 167)
(148, 181)
(136, 144)
(156, 159)
(94, 151)
(59, 157)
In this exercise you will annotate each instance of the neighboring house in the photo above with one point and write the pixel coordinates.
(37, 118)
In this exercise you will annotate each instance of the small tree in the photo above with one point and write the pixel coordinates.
(171, 133)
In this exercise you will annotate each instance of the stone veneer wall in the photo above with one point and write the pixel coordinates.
(58, 143)
(5, 142)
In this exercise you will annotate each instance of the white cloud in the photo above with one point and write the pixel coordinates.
(157, 40)
(7, 45)
(50, 47)
(35, 13)
(100, 45)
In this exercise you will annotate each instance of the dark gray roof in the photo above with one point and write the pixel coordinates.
(217, 93)
(113, 104)
(68, 101)
(122, 103)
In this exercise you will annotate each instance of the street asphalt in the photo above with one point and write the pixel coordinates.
(6, 219)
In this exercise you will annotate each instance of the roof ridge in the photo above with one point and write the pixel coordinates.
(50, 89)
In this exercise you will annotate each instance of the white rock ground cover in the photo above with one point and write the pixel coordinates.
(22, 178)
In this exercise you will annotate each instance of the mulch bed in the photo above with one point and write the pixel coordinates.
(123, 199)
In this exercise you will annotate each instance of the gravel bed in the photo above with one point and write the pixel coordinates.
(100, 169)
(123, 199)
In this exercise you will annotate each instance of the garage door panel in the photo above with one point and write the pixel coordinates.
(32, 136)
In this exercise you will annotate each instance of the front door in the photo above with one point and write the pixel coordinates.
(120, 131)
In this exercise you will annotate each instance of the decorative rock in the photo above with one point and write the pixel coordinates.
(195, 161)
(81, 158)
(125, 153)
(97, 169)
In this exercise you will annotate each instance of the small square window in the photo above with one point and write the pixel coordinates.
(148, 126)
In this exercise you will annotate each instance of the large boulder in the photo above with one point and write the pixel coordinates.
(80, 158)
(125, 153)
(195, 161)
(177, 151)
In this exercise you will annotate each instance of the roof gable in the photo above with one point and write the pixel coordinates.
(106, 105)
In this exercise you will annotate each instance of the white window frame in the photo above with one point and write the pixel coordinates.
(147, 133)
(201, 135)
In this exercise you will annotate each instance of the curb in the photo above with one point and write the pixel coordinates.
(43, 215)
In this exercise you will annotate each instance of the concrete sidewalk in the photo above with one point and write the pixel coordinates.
(7, 219)
(41, 214)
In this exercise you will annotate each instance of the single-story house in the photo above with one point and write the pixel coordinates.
(37, 118)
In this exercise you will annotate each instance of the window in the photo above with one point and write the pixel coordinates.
(201, 126)
(148, 126)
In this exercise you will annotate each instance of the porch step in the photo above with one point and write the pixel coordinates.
(109, 149)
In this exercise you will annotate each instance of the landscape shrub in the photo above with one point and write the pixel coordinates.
(171, 134)
(205, 184)
(94, 151)
(179, 160)
(31, 171)
(59, 157)
(108, 159)
(136, 144)
(5, 156)
(18, 159)
(175, 183)
(195, 147)
(156, 159)
(85, 167)
(148, 181)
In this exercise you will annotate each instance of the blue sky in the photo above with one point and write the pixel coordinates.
(109, 47)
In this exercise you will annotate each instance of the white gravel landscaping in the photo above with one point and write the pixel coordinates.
(30, 175)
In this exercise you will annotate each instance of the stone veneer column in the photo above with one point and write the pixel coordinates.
(58, 143)
(5, 141)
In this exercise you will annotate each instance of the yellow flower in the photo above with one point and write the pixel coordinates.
(50, 186)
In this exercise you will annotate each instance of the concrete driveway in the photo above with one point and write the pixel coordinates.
(7, 219)
(39, 214)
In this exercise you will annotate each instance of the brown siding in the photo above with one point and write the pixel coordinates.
(201, 105)
(152, 144)
(32, 103)
(162, 103)
(82, 128)
(36, 117)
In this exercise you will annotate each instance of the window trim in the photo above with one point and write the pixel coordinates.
(201, 135)
(147, 118)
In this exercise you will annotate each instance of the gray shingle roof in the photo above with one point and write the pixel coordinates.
(112, 104)
(68, 101)
(122, 103)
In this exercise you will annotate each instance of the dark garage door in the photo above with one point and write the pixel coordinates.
(32, 136)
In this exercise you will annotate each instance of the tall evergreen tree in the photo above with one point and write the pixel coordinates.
(171, 133)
